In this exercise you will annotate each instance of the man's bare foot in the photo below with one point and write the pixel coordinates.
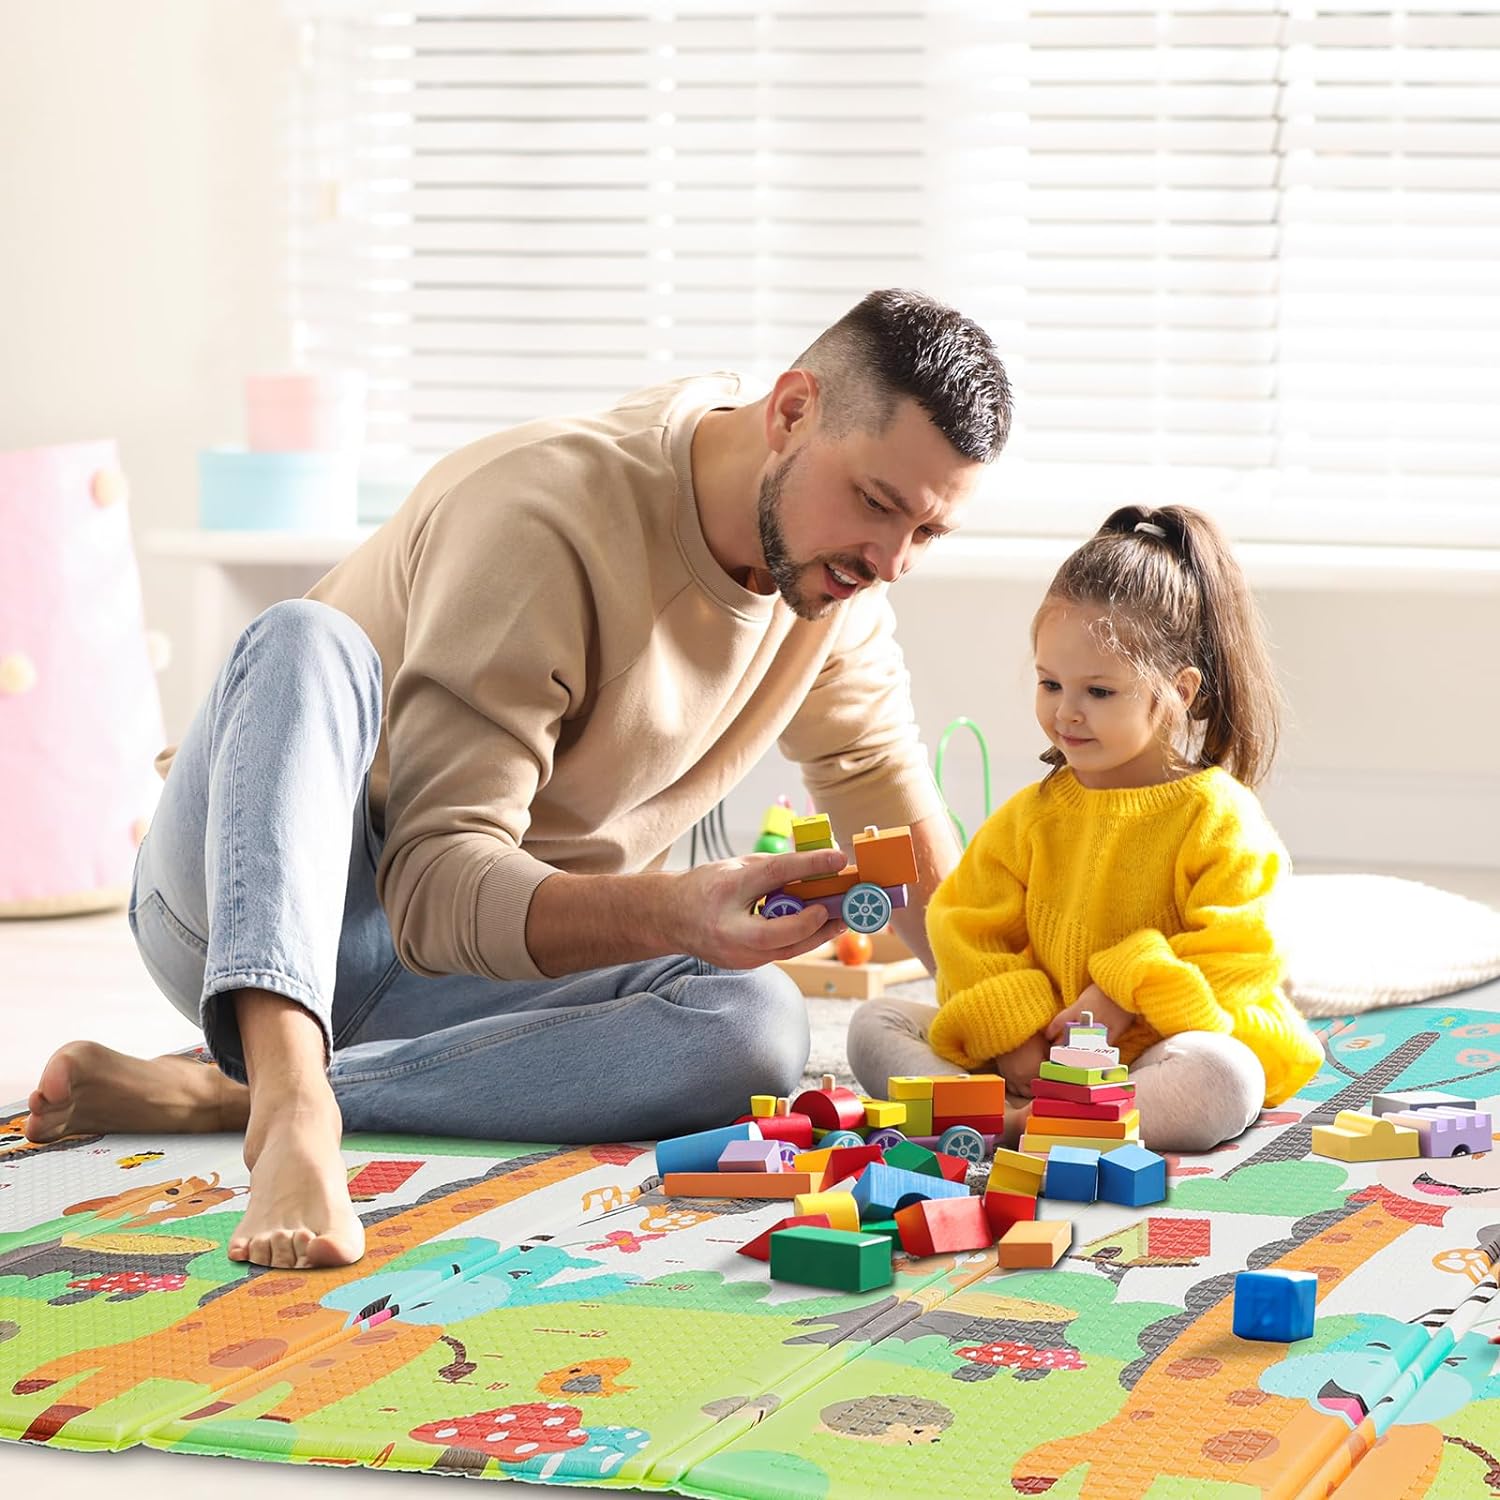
(300, 1215)
(86, 1089)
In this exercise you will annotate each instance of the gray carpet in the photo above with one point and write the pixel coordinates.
(829, 1018)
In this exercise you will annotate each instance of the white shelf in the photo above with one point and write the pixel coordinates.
(1025, 559)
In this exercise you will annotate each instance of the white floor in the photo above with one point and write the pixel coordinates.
(80, 977)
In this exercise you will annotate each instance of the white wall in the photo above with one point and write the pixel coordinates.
(140, 279)
(141, 242)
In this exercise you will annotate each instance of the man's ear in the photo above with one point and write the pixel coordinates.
(791, 408)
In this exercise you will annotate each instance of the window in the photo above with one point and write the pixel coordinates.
(1241, 253)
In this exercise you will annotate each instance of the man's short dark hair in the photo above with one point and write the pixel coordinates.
(897, 344)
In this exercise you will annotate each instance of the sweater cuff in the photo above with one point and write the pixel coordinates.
(1143, 975)
(991, 1018)
(500, 908)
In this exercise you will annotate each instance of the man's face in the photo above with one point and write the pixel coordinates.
(838, 514)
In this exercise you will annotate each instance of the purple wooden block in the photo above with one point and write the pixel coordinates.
(751, 1156)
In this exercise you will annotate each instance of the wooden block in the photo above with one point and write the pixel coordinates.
(1123, 1129)
(842, 1210)
(961, 1099)
(1016, 1172)
(880, 1113)
(844, 1260)
(885, 856)
(760, 1247)
(1039, 1144)
(944, 1226)
(736, 1184)
(751, 1156)
(1071, 1109)
(1058, 1073)
(1037, 1245)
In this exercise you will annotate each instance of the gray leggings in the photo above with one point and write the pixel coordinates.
(1194, 1090)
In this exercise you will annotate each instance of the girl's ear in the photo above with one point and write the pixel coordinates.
(1189, 681)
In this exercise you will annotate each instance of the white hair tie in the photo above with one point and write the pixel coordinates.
(1151, 528)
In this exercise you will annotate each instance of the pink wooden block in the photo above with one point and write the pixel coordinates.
(80, 719)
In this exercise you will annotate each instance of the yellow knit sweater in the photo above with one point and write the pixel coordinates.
(1156, 894)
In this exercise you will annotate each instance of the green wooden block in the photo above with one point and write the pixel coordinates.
(911, 1157)
(836, 1258)
(1062, 1073)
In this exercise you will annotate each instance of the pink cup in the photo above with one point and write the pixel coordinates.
(302, 412)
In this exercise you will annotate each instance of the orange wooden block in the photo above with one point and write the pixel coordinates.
(965, 1098)
(736, 1184)
(1036, 1245)
(885, 856)
(1126, 1129)
(944, 1226)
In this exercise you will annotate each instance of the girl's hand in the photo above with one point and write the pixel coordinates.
(1115, 1019)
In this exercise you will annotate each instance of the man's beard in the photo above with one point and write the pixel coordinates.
(786, 572)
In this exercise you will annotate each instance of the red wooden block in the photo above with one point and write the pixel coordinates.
(1082, 1093)
(1005, 1209)
(760, 1247)
(849, 1161)
(1069, 1109)
(984, 1124)
(953, 1168)
(944, 1226)
(794, 1128)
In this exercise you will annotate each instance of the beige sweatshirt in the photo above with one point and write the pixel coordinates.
(571, 680)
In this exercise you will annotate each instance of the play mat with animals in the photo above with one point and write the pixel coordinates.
(544, 1312)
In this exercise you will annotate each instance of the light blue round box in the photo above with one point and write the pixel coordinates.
(240, 489)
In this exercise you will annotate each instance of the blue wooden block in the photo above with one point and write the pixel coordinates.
(1132, 1175)
(880, 1190)
(1072, 1174)
(1275, 1306)
(701, 1152)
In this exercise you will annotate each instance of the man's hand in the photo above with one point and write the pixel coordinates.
(714, 909)
(1115, 1019)
(1020, 1067)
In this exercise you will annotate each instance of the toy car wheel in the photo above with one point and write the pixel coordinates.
(840, 1138)
(779, 904)
(886, 1137)
(866, 908)
(962, 1141)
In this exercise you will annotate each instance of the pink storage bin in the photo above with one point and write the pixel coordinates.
(302, 412)
(80, 719)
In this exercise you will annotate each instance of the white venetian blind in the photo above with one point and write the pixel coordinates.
(1239, 253)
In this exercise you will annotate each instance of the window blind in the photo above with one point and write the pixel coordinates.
(1237, 253)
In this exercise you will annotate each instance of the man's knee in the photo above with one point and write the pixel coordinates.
(314, 641)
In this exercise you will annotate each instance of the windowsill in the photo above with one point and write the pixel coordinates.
(1021, 559)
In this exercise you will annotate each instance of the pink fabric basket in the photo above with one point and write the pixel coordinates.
(80, 718)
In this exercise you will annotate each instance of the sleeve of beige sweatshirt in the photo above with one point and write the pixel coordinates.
(855, 735)
(472, 723)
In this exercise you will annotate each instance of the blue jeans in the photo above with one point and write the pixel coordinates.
(259, 872)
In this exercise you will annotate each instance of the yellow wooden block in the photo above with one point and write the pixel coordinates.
(762, 1106)
(815, 1162)
(1035, 1243)
(1358, 1137)
(815, 832)
(918, 1117)
(1125, 1129)
(1015, 1172)
(1039, 1145)
(842, 1210)
(882, 1112)
(909, 1088)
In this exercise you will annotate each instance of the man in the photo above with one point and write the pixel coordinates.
(406, 869)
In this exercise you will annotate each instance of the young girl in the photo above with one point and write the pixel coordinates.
(1134, 880)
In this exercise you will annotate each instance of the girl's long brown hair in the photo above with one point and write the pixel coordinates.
(1181, 600)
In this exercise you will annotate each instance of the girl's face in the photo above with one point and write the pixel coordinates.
(1092, 705)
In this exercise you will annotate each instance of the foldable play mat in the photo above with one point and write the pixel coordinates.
(543, 1312)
